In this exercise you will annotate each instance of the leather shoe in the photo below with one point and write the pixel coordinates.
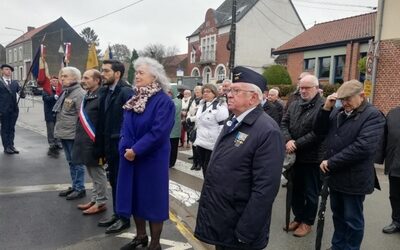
(292, 226)
(9, 151)
(390, 229)
(86, 205)
(302, 230)
(76, 195)
(118, 226)
(106, 222)
(14, 149)
(144, 241)
(95, 209)
(65, 192)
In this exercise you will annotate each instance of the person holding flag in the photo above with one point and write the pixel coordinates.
(85, 136)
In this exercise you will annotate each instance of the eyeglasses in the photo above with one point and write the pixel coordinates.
(236, 91)
(307, 88)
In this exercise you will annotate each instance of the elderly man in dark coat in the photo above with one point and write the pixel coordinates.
(353, 134)
(244, 172)
(390, 153)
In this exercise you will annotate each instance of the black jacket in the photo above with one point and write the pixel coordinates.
(297, 124)
(351, 146)
(48, 104)
(82, 152)
(8, 96)
(110, 120)
(241, 183)
(274, 109)
(390, 148)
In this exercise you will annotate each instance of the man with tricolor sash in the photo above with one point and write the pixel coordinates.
(85, 136)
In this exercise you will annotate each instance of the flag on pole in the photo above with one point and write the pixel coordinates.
(40, 70)
(67, 54)
(92, 61)
(108, 54)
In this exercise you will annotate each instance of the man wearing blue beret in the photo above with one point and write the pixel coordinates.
(244, 172)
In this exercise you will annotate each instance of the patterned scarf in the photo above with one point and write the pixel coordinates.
(139, 100)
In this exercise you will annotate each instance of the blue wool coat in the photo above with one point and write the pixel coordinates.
(142, 187)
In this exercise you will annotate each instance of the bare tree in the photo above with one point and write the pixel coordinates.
(121, 52)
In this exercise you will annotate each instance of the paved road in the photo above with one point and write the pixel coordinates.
(32, 216)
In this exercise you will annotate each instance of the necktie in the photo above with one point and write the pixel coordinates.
(233, 124)
(8, 82)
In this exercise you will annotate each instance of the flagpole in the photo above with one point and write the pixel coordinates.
(232, 39)
(30, 69)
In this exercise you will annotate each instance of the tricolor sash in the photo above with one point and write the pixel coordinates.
(86, 123)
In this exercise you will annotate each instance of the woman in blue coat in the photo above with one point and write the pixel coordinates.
(142, 187)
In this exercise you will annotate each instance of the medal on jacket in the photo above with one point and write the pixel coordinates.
(240, 138)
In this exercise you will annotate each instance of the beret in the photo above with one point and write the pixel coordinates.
(243, 74)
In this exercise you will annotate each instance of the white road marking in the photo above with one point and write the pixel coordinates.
(37, 188)
(186, 152)
(185, 167)
(184, 194)
(176, 245)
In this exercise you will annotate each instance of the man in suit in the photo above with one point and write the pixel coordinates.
(244, 172)
(113, 95)
(9, 107)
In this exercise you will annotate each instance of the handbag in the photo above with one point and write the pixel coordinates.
(192, 135)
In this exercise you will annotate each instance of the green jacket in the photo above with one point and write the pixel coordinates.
(176, 130)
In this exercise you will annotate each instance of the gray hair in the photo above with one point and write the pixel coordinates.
(274, 91)
(74, 72)
(257, 90)
(311, 79)
(156, 69)
(198, 87)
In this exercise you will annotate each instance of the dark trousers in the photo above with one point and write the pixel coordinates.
(348, 220)
(8, 121)
(174, 151)
(204, 158)
(195, 156)
(306, 189)
(50, 135)
(394, 196)
(226, 248)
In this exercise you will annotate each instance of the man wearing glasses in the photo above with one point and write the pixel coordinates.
(297, 128)
(243, 174)
(353, 132)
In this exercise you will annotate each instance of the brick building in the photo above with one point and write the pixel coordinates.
(261, 25)
(21, 51)
(330, 50)
(174, 63)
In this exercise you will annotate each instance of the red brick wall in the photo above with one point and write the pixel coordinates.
(295, 65)
(351, 66)
(387, 90)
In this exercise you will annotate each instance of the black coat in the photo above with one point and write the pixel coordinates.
(297, 124)
(48, 104)
(391, 143)
(351, 146)
(8, 96)
(110, 120)
(241, 183)
(83, 150)
(275, 110)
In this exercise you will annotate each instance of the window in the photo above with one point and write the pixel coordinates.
(195, 72)
(10, 56)
(309, 64)
(21, 55)
(361, 78)
(206, 75)
(339, 65)
(220, 73)
(193, 56)
(324, 67)
(15, 55)
(208, 48)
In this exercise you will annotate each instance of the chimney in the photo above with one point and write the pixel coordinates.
(30, 28)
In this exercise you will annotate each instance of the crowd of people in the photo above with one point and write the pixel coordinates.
(239, 132)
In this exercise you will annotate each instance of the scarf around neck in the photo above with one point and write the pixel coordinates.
(138, 102)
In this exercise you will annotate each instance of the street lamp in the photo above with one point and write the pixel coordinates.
(8, 28)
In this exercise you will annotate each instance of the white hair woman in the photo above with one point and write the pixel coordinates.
(142, 187)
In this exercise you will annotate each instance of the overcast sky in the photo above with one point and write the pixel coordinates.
(150, 21)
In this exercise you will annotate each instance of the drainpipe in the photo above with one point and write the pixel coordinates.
(378, 35)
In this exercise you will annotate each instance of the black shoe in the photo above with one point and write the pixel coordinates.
(65, 192)
(136, 242)
(14, 149)
(198, 168)
(76, 195)
(390, 229)
(106, 222)
(194, 166)
(284, 185)
(118, 226)
(190, 158)
(9, 151)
